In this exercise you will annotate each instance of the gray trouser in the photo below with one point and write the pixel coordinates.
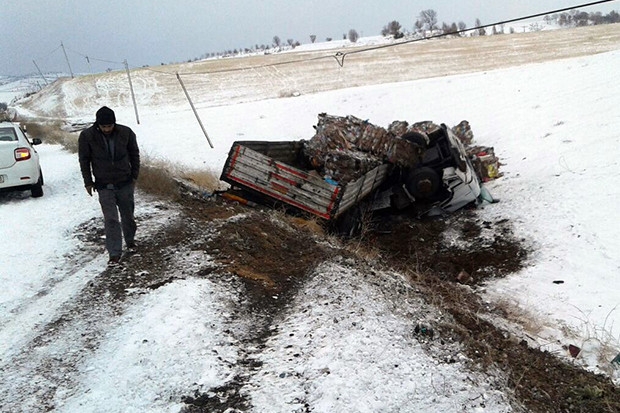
(114, 202)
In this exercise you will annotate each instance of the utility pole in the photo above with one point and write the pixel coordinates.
(89, 66)
(194, 109)
(133, 97)
(94, 80)
(43, 77)
(67, 59)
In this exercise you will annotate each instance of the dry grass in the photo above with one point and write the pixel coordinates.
(157, 176)
(52, 133)
(160, 177)
(204, 179)
(310, 225)
(527, 319)
(597, 339)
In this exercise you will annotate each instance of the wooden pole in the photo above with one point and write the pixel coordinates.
(194, 109)
(133, 96)
(91, 73)
(44, 79)
(67, 59)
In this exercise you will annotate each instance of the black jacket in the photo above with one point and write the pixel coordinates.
(95, 158)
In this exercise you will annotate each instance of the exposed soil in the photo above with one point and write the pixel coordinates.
(439, 255)
(540, 381)
(270, 254)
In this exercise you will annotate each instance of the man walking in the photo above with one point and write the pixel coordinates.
(110, 153)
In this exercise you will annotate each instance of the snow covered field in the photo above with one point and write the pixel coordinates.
(554, 125)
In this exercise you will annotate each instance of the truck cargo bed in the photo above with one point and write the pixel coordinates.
(277, 170)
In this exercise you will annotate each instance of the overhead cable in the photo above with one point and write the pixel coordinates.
(340, 56)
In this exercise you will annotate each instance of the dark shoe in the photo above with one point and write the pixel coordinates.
(114, 260)
(131, 247)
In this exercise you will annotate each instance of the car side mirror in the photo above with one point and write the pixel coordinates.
(36, 141)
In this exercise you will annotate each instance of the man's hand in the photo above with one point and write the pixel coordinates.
(89, 189)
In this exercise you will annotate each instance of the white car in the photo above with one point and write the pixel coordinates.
(19, 161)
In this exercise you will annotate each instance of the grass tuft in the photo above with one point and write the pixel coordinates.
(52, 133)
(158, 177)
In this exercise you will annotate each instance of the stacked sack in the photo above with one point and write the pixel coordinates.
(485, 162)
(345, 148)
(463, 132)
(482, 158)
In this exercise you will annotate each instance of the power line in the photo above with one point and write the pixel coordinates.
(343, 55)
(340, 56)
(50, 53)
(89, 58)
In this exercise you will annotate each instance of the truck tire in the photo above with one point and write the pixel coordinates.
(423, 183)
(416, 138)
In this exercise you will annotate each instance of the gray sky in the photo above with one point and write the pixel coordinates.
(150, 32)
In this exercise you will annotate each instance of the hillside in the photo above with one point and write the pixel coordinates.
(237, 80)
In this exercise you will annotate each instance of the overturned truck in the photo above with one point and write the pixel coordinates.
(351, 164)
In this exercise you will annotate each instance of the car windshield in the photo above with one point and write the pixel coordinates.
(7, 134)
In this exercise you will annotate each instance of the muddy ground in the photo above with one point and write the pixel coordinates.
(444, 258)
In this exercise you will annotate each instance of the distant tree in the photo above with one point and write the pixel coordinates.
(418, 26)
(612, 17)
(392, 28)
(3, 106)
(344, 36)
(581, 18)
(276, 41)
(481, 30)
(429, 18)
(564, 19)
(535, 27)
(313, 38)
(328, 39)
(597, 18)
(353, 35)
(462, 26)
(289, 41)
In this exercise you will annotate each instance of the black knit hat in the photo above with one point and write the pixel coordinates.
(105, 116)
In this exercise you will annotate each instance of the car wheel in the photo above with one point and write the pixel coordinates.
(416, 138)
(37, 189)
(423, 183)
